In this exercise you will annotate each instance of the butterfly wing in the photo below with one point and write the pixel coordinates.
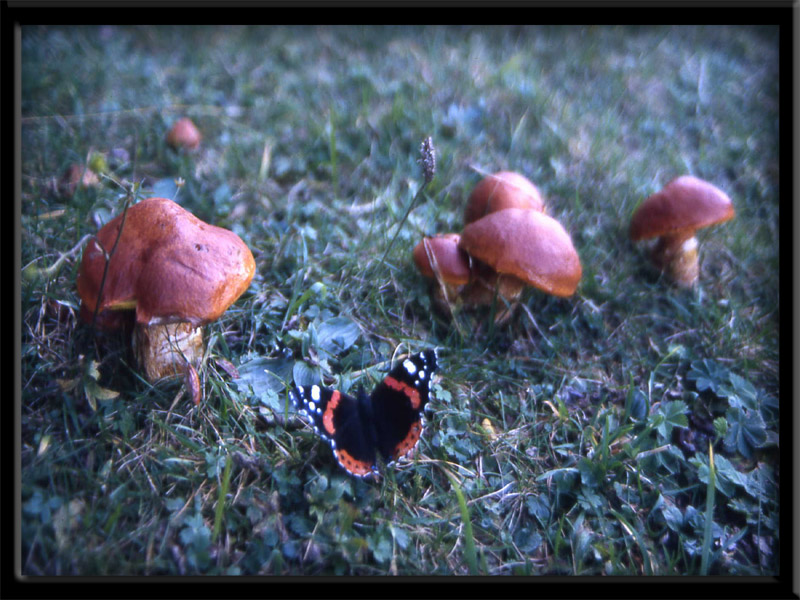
(337, 418)
(397, 404)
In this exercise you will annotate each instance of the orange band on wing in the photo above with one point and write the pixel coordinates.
(327, 418)
(355, 466)
(412, 393)
(408, 443)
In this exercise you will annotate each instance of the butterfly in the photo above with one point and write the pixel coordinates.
(386, 423)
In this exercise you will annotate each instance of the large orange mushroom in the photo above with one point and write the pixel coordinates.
(175, 272)
(673, 215)
(524, 247)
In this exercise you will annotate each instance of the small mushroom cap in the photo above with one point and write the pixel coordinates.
(76, 176)
(451, 262)
(168, 265)
(528, 245)
(505, 189)
(684, 205)
(184, 134)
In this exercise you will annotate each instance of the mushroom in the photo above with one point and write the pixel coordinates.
(441, 259)
(505, 189)
(673, 214)
(173, 271)
(522, 246)
(184, 134)
(75, 176)
(441, 256)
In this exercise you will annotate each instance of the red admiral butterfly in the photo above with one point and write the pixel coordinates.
(388, 422)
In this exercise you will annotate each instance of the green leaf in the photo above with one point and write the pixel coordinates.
(302, 374)
(639, 406)
(746, 432)
(400, 536)
(98, 392)
(336, 335)
(527, 539)
(726, 475)
(264, 375)
(539, 508)
(760, 483)
(382, 548)
(174, 504)
(591, 501)
(673, 415)
(299, 524)
(741, 392)
(92, 371)
(165, 188)
(673, 517)
(708, 375)
(592, 474)
(720, 427)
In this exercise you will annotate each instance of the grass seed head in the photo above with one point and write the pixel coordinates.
(427, 158)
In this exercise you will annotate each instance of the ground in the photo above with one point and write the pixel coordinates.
(630, 428)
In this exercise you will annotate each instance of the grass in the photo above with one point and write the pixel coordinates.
(572, 439)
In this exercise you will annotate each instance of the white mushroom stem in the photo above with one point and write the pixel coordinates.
(677, 255)
(165, 350)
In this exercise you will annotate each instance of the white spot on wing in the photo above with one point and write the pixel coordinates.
(315, 392)
(410, 367)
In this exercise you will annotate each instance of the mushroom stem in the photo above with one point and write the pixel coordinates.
(487, 283)
(165, 350)
(677, 255)
(487, 287)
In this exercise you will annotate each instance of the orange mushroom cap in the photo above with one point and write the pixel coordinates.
(168, 265)
(528, 245)
(501, 190)
(75, 176)
(451, 262)
(684, 205)
(184, 134)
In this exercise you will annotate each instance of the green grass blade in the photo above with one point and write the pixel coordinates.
(469, 541)
(648, 567)
(223, 492)
(332, 151)
(705, 561)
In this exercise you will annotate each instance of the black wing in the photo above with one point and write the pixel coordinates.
(397, 404)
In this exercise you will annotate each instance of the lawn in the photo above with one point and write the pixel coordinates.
(628, 429)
